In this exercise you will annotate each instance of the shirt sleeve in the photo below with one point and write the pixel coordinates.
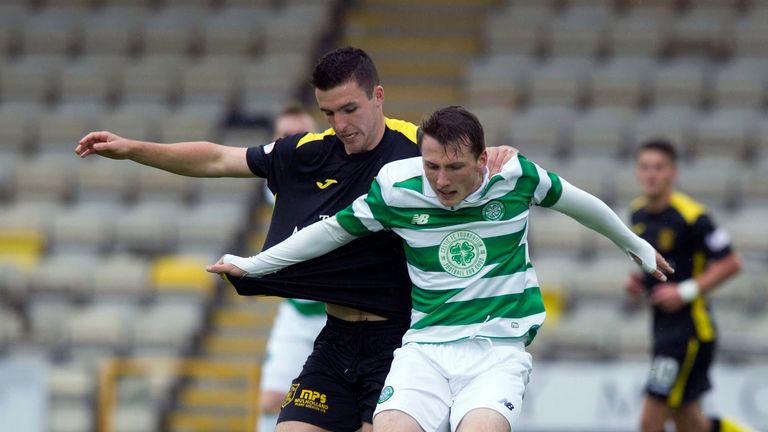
(547, 185)
(367, 214)
(273, 161)
(713, 240)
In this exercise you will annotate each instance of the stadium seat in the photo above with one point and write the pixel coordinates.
(622, 82)
(154, 185)
(556, 233)
(136, 417)
(705, 27)
(541, 130)
(103, 180)
(228, 190)
(497, 81)
(102, 325)
(17, 128)
(642, 31)
(31, 78)
(753, 183)
(173, 30)
(519, 30)
(679, 82)
(192, 123)
(12, 17)
(92, 80)
(48, 320)
(83, 228)
(215, 79)
(65, 274)
(725, 132)
(740, 83)
(495, 121)
(234, 30)
(113, 30)
(71, 381)
(70, 417)
(183, 274)
(593, 172)
(634, 340)
(53, 30)
(586, 331)
(11, 327)
(45, 178)
(132, 121)
(148, 227)
(674, 123)
(282, 35)
(602, 132)
(63, 127)
(604, 276)
(749, 230)
(751, 35)
(560, 82)
(209, 227)
(152, 79)
(167, 325)
(580, 31)
(122, 275)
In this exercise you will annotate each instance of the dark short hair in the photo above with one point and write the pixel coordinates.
(661, 145)
(453, 127)
(344, 64)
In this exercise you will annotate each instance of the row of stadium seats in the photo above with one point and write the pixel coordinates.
(642, 28)
(176, 28)
(623, 81)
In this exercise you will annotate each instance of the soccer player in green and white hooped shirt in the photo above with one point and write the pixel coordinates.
(476, 300)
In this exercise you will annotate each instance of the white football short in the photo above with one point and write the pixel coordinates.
(437, 382)
(290, 342)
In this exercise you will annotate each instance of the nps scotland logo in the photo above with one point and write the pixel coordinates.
(493, 211)
(462, 253)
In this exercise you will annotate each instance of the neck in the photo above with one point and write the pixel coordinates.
(658, 203)
(373, 141)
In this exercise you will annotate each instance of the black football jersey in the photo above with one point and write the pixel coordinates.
(687, 238)
(313, 178)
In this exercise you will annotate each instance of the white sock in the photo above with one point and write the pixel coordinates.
(267, 422)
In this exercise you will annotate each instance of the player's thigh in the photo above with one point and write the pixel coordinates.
(395, 421)
(291, 341)
(294, 426)
(654, 415)
(690, 418)
(416, 388)
(483, 420)
(499, 385)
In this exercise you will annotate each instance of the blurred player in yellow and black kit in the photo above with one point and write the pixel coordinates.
(684, 335)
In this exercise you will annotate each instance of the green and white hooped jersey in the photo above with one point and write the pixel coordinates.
(469, 264)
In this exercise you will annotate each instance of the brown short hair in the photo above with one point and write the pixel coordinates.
(452, 127)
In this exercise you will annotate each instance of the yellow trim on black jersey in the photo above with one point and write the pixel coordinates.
(406, 128)
(315, 137)
(688, 208)
(701, 320)
(638, 203)
(675, 398)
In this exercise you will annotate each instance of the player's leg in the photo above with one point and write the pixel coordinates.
(321, 398)
(416, 396)
(690, 418)
(290, 343)
(655, 414)
(483, 420)
(489, 381)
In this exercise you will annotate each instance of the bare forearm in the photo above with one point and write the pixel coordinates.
(717, 272)
(193, 159)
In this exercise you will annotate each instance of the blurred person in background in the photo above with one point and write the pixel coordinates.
(315, 175)
(684, 334)
(298, 321)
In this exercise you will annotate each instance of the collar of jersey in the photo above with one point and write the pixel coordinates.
(468, 201)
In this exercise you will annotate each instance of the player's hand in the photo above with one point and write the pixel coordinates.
(634, 286)
(662, 267)
(221, 268)
(103, 143)
(498, 156)
(667, 297)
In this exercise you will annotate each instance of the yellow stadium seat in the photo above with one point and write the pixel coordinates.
(554, 302)
(181, 273)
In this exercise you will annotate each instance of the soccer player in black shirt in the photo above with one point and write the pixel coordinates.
(684, 334)
(314, 176)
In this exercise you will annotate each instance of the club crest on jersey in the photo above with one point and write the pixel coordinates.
(462, 253)
(493, 211)
(290, 395)
(386, 393)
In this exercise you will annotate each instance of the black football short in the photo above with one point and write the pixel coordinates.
(341, 381)
(680, 371)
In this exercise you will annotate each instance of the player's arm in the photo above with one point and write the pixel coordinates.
(311, 242)
(593, 213)
(194, 159)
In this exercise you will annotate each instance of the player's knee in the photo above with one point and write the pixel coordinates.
(483, 420)
(271, 402)
(395, 421)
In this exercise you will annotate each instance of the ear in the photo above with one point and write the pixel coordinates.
(378, 95)
(482, 160)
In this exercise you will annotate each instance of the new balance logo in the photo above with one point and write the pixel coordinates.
(420, 219)
(328, 182)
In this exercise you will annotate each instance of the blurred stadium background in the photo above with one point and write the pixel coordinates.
(107, 320)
